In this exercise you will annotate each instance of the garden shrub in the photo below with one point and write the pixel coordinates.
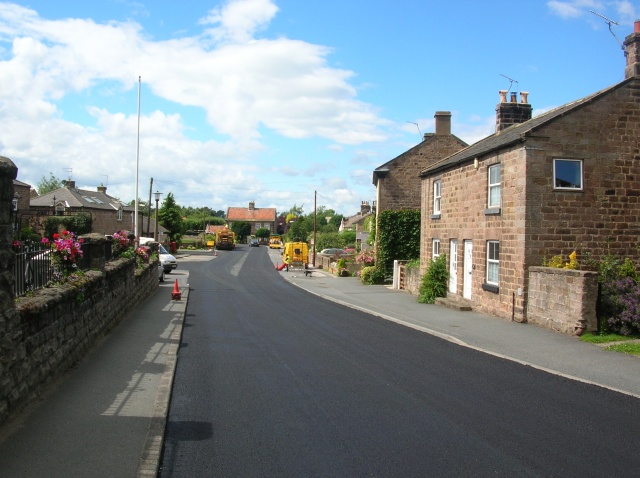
(371, 275)
(620, 305)
(434, 281)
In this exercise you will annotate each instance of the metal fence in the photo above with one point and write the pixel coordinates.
(33, 269)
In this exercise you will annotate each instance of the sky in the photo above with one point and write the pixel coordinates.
(280, 102)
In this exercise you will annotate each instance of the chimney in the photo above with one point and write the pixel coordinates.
(102, 189)
(512, 112)
(365, 208)
(252, 205)
(632, 52)
(69, 184)
(443, 123)
(373, 208)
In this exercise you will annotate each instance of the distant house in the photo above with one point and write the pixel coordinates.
(566, 180)
(258, 218)
(108, 214)
(397, 181)
(357, 223)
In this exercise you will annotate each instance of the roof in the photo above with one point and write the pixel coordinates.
(516, 133)
(382, 170)
(80, 198)
(251, 215)
(212, 229)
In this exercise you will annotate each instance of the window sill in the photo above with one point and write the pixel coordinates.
(493, 211)
(490, 288)
(434, 216)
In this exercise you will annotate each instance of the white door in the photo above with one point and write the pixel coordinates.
(468, 267)
(453, 266)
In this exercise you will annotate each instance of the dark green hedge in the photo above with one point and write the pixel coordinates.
(398, 238)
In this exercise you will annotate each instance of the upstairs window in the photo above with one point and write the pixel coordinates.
(493, 200)
(567, 174)
(437, 189)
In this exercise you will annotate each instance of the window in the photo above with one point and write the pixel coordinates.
(494, 186)
(493, 262)
(437, 187)
(120, 209)
(567, 174)
(435, 249)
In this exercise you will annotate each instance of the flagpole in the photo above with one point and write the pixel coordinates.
(135, 222)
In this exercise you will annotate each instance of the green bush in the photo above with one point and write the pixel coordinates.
(434, 281)
(372, 275)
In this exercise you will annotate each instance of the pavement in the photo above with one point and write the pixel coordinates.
(115, 401)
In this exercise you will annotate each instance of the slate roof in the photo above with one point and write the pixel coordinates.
(516, 133)
(81, 198)
(251, 215)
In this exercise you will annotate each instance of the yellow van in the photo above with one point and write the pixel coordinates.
(298, 254)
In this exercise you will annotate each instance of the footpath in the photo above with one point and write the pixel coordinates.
(106, 417)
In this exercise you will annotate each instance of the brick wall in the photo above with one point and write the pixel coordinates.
(563, 300)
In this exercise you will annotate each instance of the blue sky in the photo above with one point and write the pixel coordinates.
(271, 100)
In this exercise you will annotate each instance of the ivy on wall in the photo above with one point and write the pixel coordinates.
(78, 224)
(398, 238)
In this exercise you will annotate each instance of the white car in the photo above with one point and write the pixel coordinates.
(167, 261)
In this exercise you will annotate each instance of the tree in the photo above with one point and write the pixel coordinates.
(242, 229)
(45, 185)
(263, 233)
(170, 218)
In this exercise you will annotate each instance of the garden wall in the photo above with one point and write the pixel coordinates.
(49, 332)
(563, 300)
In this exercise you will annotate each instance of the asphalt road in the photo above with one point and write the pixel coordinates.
(274, 381)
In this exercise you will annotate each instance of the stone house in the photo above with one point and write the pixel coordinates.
(397, 181)
(258, 218)
(357, 223)
(108, 214)
(566, 180)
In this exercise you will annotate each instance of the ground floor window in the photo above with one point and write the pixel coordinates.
(493, 262)
(435, 249)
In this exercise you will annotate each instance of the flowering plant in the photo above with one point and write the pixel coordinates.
(121, 243)
(142, 254)
(65, 251)
(366, 257)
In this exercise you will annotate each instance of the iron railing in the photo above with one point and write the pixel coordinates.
(33, 269)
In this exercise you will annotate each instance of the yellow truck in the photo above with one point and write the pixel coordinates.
(275, 241)
(225, 240)
(297, 254)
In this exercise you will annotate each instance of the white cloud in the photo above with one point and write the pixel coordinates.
(245, 86)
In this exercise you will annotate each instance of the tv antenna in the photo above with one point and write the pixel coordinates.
(610, 22)
(511, 81)
(69, 171)
(106, 176)
(419, 132)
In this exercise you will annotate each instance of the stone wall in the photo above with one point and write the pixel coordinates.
(563, 300)
(55, 327)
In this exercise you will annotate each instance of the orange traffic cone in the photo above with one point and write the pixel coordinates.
(176, 294)
(215, 253)
(277, 267)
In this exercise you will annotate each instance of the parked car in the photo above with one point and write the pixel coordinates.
(167, 260)
(333, 252)
(254, 243)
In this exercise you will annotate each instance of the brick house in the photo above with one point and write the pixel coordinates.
(566, 180)
(108, 214)
(397, 181)
(258, 218)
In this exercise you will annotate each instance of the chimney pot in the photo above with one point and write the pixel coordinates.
(503, 96)
(513, 97)
(524, 97)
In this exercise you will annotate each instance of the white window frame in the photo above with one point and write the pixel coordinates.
(493, 262)
(435, 249)
(568, 188)
(120, 210)
(493, 186)
(437, 196)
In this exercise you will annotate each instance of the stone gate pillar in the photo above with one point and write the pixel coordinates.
(9, 317)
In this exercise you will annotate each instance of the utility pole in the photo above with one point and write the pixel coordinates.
(315, 199)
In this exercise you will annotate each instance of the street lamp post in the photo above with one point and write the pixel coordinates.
(157, 195)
